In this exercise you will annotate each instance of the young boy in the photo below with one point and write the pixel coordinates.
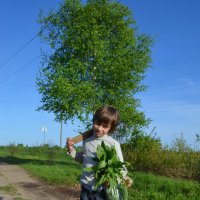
(105, 121)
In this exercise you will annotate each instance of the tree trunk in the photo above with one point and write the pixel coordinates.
(61, 133)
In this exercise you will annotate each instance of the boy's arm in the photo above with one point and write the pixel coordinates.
(72, 151)
(128, 180)
(77, 156)
(120, 156)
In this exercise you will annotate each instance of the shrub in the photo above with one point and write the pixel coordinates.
(12, 149)
(146, 154)
(143, 151)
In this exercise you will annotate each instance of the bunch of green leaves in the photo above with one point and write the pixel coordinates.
(109, 172)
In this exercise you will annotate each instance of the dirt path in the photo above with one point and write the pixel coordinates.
(17, 184)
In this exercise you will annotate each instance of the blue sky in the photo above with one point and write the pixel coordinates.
(172, 99)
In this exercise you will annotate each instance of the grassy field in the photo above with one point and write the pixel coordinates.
(55, 167)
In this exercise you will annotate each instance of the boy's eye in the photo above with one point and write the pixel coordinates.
(98, 124)
(105, 126)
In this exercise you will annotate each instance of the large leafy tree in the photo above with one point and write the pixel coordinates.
(97, 58)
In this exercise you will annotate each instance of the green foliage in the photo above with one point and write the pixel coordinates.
(109, 171)
(180, 145)
(97, 58)
(13, 149)
(145, 153)
(50, 151)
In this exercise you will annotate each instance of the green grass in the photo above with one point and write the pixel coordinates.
(62, 170)
(60, 173)
(9, 189)
(151, 187)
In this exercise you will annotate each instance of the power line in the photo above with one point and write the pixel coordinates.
(20, 69)
(11, 57)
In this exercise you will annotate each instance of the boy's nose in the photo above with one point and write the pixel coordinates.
(99, 128)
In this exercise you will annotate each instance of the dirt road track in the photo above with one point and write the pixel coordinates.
(17, 184)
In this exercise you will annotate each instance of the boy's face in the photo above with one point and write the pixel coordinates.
(101, 129)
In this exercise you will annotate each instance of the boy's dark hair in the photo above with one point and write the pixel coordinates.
(107, 115)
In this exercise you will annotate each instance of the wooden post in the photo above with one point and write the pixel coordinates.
(82, 136)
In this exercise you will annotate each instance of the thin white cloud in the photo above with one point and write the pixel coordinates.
(177, 108)
(186, 81)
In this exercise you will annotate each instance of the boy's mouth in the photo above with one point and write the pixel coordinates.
(97, 133)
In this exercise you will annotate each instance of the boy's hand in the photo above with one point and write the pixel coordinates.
(70, 145)
(128, 181)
